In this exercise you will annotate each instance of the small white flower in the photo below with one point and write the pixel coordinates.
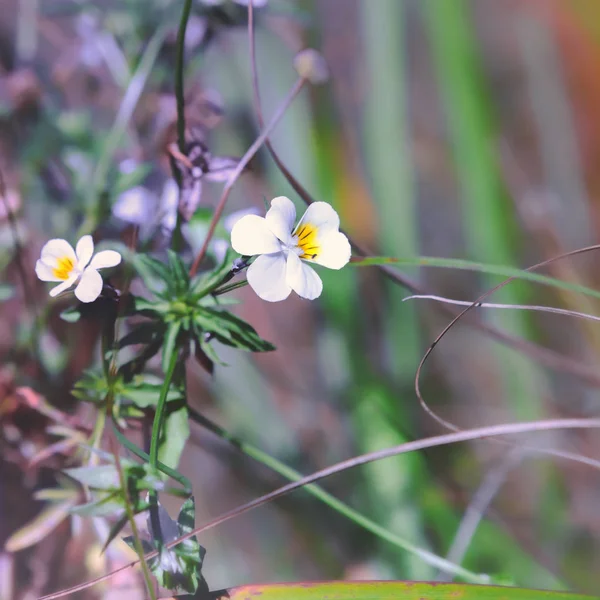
(282, 248)
(59, 262)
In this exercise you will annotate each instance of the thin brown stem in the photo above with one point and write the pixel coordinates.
(294, 91)
(457, 318)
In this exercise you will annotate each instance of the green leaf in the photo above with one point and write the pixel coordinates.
(71, 314)
(467, 265)
(186, 520)
(174, 435)
(179, 274)
(231, 330)
(101, 477)
(7, 291)
(42, 525)
(92, 387)
(144, 333)
(207, 282)
(144, 391)
(392, 590)
(126, 181)
(115, 530)
(103, 505)
(170, 344)
(154, 273)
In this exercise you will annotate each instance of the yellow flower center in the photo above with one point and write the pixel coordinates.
(63, 269)
(307, 241)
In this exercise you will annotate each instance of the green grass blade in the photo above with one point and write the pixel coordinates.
(390, 590)
(469, 265)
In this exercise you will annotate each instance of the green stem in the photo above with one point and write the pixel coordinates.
(182, 479)
(159, 416)
(229, 288)
(292, 475)
(134, 530)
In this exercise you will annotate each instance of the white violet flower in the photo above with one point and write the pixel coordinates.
(59, 262)
(285, 250)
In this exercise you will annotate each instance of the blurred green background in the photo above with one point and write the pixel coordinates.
(449, 128)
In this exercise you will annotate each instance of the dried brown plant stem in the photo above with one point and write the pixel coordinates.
(457, 318)
(294, 91)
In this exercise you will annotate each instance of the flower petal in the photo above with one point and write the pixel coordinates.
(44, 272)
(322, 216)
(302, 278)
(65, 285)
(280, 218)
(335, 250)
(84, 251)
(89, 286)
(251, 235)
(266, 276)
(105, 259)
(55, 249)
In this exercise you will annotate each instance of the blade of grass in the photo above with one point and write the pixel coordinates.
(393, 487)
(488, 224)
(469, 265)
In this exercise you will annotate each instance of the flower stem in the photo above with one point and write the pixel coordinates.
(131, 518)
(294, 91)
(160, 410)
(159, 417)
(229, 288)
(180, 100)
(179, 64)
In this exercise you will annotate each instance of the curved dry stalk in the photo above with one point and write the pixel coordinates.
(294, 91)
(431, 442)
(457, 318)
(532, 307)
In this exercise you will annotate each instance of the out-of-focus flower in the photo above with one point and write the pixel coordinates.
(59, 262)
(285, 250)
